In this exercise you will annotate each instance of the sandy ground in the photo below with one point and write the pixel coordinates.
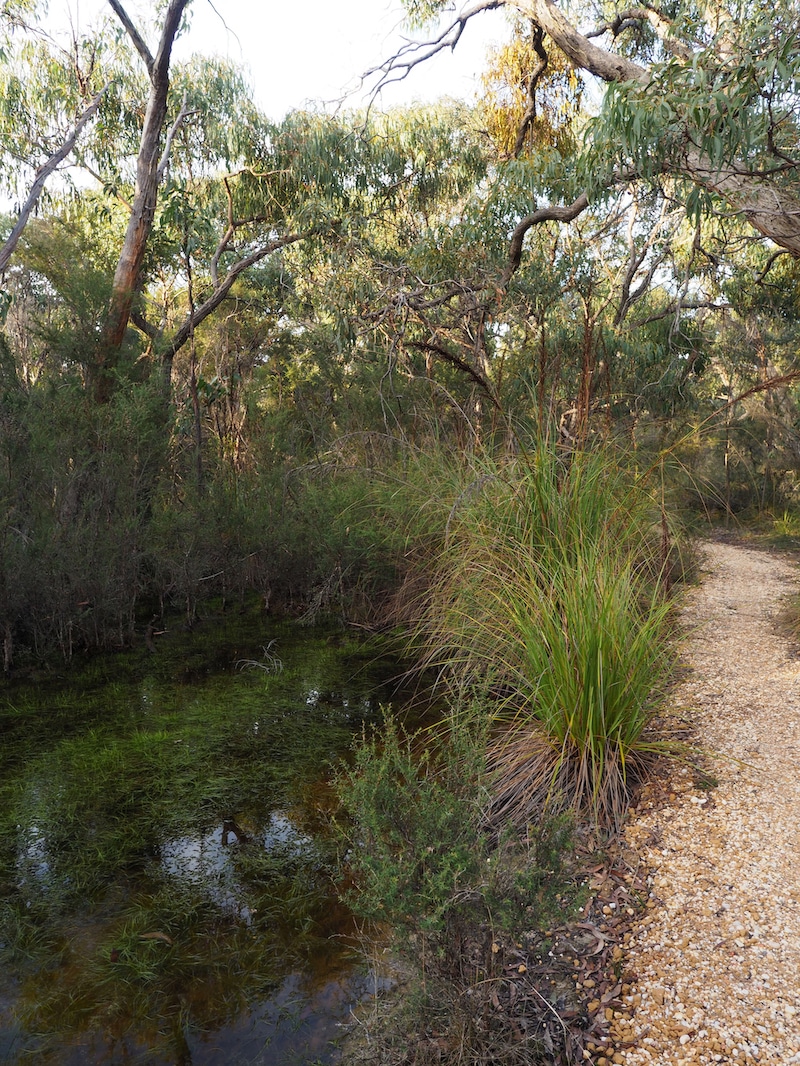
(713, 964)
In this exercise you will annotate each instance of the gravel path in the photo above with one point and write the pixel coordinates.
(713, 966)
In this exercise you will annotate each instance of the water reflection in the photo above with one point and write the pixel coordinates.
(207, 861)
(33, 863)
(133, 928)
(294, 1027)
(281, 832)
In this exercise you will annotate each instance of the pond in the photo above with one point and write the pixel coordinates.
(166, 859)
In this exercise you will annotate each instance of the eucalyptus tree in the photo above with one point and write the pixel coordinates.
(374, 191)
(151, 162)
(50, 95)
(691, 154)
(702, 92)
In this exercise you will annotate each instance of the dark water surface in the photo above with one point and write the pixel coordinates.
(166, 857)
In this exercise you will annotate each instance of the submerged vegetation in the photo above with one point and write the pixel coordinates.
(165, 867)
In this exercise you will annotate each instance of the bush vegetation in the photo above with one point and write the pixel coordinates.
(536, 588)
(391, 413)
(545, 593)
(422, 861)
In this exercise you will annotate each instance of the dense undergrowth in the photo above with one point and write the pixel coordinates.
(550, 599)
(531, 582)
(422, 863)
(537, 591)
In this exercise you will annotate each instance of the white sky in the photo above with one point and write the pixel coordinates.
(310, 51)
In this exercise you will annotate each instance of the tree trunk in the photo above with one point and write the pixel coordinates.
(148, 173)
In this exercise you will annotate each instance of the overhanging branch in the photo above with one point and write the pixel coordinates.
(413, 53)
(42, 174)
(543, 214)
(222, 289)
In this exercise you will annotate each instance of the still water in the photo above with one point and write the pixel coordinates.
(166, 855)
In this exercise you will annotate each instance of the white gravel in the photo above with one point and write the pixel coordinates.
(714, 963)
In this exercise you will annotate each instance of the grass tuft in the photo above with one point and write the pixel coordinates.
(550, 602)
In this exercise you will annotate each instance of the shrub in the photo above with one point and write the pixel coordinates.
(420, 855)
(465, 906)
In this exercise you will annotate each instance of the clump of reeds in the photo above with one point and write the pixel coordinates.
(548, 599)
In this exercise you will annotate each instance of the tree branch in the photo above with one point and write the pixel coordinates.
(771, 210)
(633, 16)
(42, 174)
(400, 65)
(133, 33)
(172, 21)
(209, 305)
(164, 161)
(457, 361)
(759, 278)
(226, 238)
(604, 65)
(544, 214)
(145, 327)
(529, 117)
(674, 308)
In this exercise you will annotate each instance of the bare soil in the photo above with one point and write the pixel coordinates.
(713, 959)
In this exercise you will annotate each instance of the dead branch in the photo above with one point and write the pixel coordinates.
(529, 117)
(413, 53)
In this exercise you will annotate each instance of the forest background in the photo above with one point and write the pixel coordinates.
(243, 358)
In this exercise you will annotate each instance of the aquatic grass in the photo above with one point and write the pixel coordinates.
(97, 785)
(137, 984)
(547, 600)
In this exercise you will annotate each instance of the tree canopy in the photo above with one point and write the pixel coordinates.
(206, 302)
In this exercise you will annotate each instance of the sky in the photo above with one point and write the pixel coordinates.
(301, 52)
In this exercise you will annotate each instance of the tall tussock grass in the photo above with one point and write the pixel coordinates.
(549, 600)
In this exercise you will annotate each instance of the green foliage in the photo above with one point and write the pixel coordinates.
(733, 99)
(420, 854)
(75, 482)
(422, 12)
(504, 103)
(414, 834)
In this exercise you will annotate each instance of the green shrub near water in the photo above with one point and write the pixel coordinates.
(421, 856)
(456, 896)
